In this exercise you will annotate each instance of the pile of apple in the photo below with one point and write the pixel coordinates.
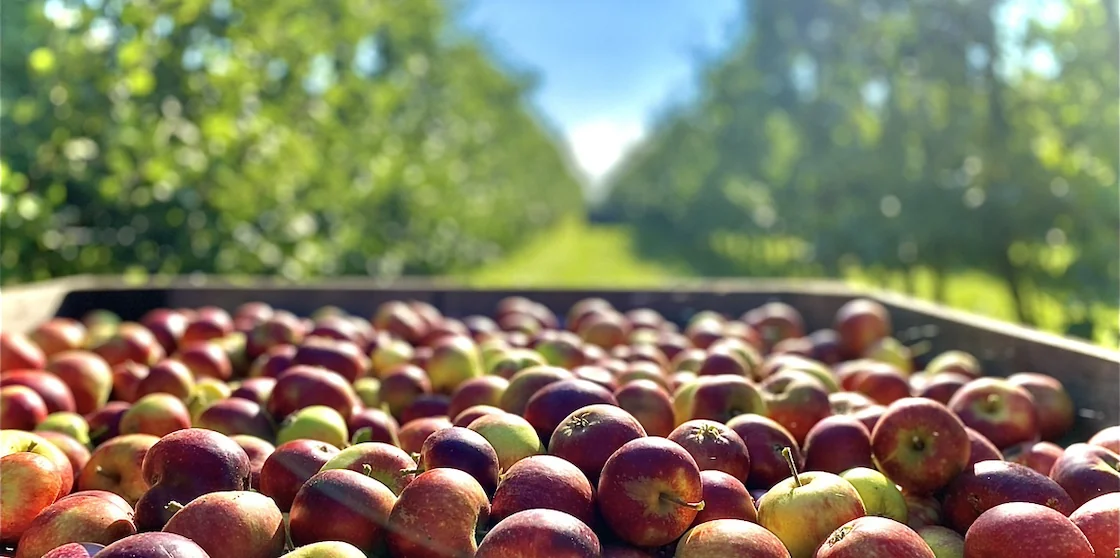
(256, 434)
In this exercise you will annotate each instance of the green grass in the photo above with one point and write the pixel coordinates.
(576, 254)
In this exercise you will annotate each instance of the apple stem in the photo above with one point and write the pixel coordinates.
(414, 471)
(173, 506)
(788, 454)
(367, 470)
(32, 445)
(698, 506)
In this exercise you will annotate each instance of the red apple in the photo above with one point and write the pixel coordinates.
(131, 342)
(943, 386)
(258, 451)
(604, 329)
(648, 402)
(920, 445)
(75, 451)
(401, 385)
(1087, 471)
(256, 390)
(980, 448)
(88, 376)
(53, 390)
(167, 326)
(1054, 406)
(527, 382)
(826, 346)
(874, 537)
(79, 518)
(1099, 521)
(303, 386)
(374, 425)
(540, 532)
(341, 505)
(1020, 529)
(167, 376)
(21, 408)
(544, 481)
(463, 449)
(206, 360)
(860, 323)
(116, 466)
(1108, 438)
(598, 375)
(414, 433)
(724, 497)
(870, 416)
(438, 515)
(798, 405)
(714, 446)
(126, 379)
(31, 483)
(57, 335)
(212, 324)
(234, 416)
(1039, 456)
(883, 385)
(550, 405)
(105, 422)
(17, 351)
(836, 444)
(727, 537)
(765, 439)
(232, 524)
(720, 360)
(75, 550)
(272, 362)
(721, 398)
(429, 405)
(341, 357)
(988, 484)
(589, 436)
(486, 390)
(158, 414)
(153, 544)
(287, 468)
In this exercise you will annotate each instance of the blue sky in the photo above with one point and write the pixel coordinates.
(605, 66)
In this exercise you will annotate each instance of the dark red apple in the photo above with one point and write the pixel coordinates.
(1051, 401)
(943, 386)
(303, 386)
(874, 537)
(374, 425)
(836, 444)
(1086, 472)
(540, 532)
(525, 383)
(988, 484)
(1020, 529)
(401, 385)
(126, 379)
(765, 440)
(469, 414)
(131, 342)
(428, 405)
(981, 448)
(550, 405)
(272, 362)
(153, 544)
(1001, 411)
(256, 390)
(648, 402)
(234, 416)
(860, 323)
(485, 390)
(55, 393)
(342, 505)
(544, 481)
(1039, 456)
(287, 468)
(258, 451)
(589, 436)
(1099, 521)
(167, 376)
(437, 515)
(105, 422)
(920, 445)
(340, 357)
(206, 360)
(21, 408)
(714, 446)
(463, 449)
(167, 326)
(725, 497)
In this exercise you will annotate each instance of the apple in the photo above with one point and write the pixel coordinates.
(589, 436)
(206, 360)
(1108, 438)
(472, 414)
(75, 550)
(231, 524)
(1099, 521)
(79, 518)
(76, 452)
(883, 385)
(382, 462)
(326, 549)
(414, 433)
(724, 497)
(438, 514)
(860, 323)
(550, 405)
(88, 376)
(126, 379)
(777, 321)
(341, 357)
(304, 386)
(942, 386)
(688, 360)
(826, 346)
(527, 382)
(463, 449)
(258, 451)
(116, 466)
(880, 496)
(16, 441)
(455, 359)
(893, 352)
(21, 408)
(480, 327)
(104, 423)
(944, 542)
(511, 436)
(1019, 529)
(58, 335)
(401, 385)
(485, 390)
(287, 468)
(131, 342)
(390, 353)
(980, 448)
(1001, 411)
(920, 444)
(280, 329)
(848, 402)
(798, 405)
(167, 326)
(510, 361)
(256, 390)
(544, 481)
(1051, 401)
(209, 323)
(765, 440)
(317, 422)
(560, 348)
(959, 362)
(272, 362)
(18, 351)
(870, 416)
(207, 391)
(836, 444)
(340, 328)
(167, 376)
(874, 537)
(648, 402)
(988, 484)
(604, 329)
(153, 544)
(341, 505)
(1039, 456)
(31, 484)
(729, 537)
(776, 364)
(720, 360)
(721, 398)
(540, 532)
(430, 405)
(237, 416)
(157, 414)
(55, 393)
(643, 370)
(373, 425)
(804, 510)
(1086, 472)
(800, 346)
(184, 465)
(705, 329)
(714, 446)
(922, 511)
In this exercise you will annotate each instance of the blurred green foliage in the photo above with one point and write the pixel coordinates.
(899, 138)
(263, 137)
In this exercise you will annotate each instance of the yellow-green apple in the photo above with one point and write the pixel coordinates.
(57, 335)
(303, 386)
(18, 351)
(550, 405)
(942, 386)
(728, 537)
(1051, 401)
(1108, 438)
(415, 432)
(373, 425)
(988, 484)
(237, 416)
(527, 382)
(317, 422)
(78, 518)
(342, 505)
(1099, 520)
(880, 496)
(167, 326)
(231, 524)
(648, 402)
(920, 445)
(544, 481)
(874, 537)
(77, 452)
(167, 376)
(326, 549)
(206, 392)
(382, 462)
(463, 449)
(390, 353)
(725, 497)
(131, 342)
(485, 390)
(88, 376)
(471, 414)
(650, 491)
(1086, 472)
(1001, 411)
(688, 360)
(540, 532)
(31, 484)
(508, 361)
(1039, 456)
(943, 541)
(157, 414)
(117, 466)
(1019, 529)
(893, 352)
(21, 408)
(206, 360)
(55, 393)
(589, 436)
(289, 466)
(765, 440)
(369, 391)
(511, 436)
(71, 424)
(75, 550)
(714, 446)
(455, 359)
(804, 509)
(836, 444)
(184, 465)
(721, 398)
(778, 363)
(860, 323)
(959, 362)
(438, 514)
(922, 511)
(258, 451)
(560, 348)
(153, 544)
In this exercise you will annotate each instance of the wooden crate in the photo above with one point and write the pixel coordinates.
(1091, 373)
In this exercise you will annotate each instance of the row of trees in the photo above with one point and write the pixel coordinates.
(273, 137)
(896, 136)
